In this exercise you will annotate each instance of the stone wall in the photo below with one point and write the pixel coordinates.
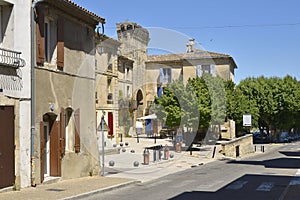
(238, 147)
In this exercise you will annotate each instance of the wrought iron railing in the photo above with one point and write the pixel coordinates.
(11, 58)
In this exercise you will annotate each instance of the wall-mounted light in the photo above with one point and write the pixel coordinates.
(52, 107)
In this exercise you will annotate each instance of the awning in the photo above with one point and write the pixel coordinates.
(152, 116)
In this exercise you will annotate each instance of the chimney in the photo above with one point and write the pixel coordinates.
(190, 45)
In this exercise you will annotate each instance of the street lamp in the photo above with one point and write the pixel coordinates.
(102, 127)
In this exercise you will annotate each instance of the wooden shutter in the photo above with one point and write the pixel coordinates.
(40, 37)
(77, 130)
(199, 71)
(42, 153)
(60, 42)
(55, 162)
(161, 75)
(213, 70)
(62, 132)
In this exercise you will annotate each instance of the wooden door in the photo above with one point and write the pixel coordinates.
(111, 123)
(7, 146)
(55, 161)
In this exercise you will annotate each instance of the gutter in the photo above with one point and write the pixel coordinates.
(32, 102)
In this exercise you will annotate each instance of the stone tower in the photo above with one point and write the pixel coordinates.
(134, 41)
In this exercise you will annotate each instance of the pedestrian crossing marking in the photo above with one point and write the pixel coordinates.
(236, 185)
(265, 186)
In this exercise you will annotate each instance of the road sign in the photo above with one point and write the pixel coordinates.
(247, 121)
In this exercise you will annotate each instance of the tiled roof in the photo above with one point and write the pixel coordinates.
(197, 54)
(85, 10)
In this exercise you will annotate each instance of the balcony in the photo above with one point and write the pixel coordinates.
(9, 58)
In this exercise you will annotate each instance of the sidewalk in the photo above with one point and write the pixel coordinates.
(68, 189)
(122, 174)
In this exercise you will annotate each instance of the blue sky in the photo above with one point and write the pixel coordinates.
(263, 36)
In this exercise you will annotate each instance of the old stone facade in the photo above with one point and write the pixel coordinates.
(65, 122)
(134, 41)
(165, 68)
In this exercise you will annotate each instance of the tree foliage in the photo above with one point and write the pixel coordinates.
(274, 103)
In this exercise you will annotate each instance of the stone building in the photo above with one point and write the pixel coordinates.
(134, 41)
(114, 87)
(15, 99)
(65, 121)
(164, 68)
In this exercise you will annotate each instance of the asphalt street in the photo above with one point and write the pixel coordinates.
(263, 176)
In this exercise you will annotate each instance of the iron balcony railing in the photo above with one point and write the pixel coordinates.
(11, 58)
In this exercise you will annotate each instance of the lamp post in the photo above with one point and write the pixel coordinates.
(102, 128)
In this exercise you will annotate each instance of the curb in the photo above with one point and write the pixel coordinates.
(87, 194)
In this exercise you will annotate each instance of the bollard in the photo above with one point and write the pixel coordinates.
(154, 155)
(262, 148)
(166, 152)
(159, 153)
(146, 157)
(111, 163)
(136, 163)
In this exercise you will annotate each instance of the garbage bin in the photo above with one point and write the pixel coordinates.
(166, 152)
(146, 157)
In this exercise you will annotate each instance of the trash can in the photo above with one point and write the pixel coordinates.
(166, 152)
(146, 157)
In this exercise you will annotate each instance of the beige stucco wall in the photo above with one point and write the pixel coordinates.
(65, 91)
(72, 87)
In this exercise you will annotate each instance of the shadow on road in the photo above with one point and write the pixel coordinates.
(247, 187)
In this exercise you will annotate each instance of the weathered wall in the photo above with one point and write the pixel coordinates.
(244, 146)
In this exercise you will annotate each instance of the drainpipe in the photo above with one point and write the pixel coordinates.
(32, 103)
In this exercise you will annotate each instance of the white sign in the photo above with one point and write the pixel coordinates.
(247, 120)
(138, 124)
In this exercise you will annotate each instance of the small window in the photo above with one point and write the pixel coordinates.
(108, 84)
(47, 41)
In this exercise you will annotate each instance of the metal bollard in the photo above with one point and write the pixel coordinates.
(159, 153)
(262, 148)
(154, 155)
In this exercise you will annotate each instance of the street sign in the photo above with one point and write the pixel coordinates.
(247, 120)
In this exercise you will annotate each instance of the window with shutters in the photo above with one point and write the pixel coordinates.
(50, 40)
(165, 75)
(77, 131)
(210, 69)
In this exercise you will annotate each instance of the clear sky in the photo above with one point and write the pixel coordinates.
(263, 36)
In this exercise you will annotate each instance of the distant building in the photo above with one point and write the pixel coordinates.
(113, 87)
(134, 41)
(164, 68)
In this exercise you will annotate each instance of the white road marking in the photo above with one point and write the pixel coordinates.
(236, 185)
(265, 186)
(297, 173)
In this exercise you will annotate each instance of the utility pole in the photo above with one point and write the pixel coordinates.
(102, 127)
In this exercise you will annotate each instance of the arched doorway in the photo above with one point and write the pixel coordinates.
(50, 161)
(139, 100)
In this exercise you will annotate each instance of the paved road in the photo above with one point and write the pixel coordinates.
(264, 176)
